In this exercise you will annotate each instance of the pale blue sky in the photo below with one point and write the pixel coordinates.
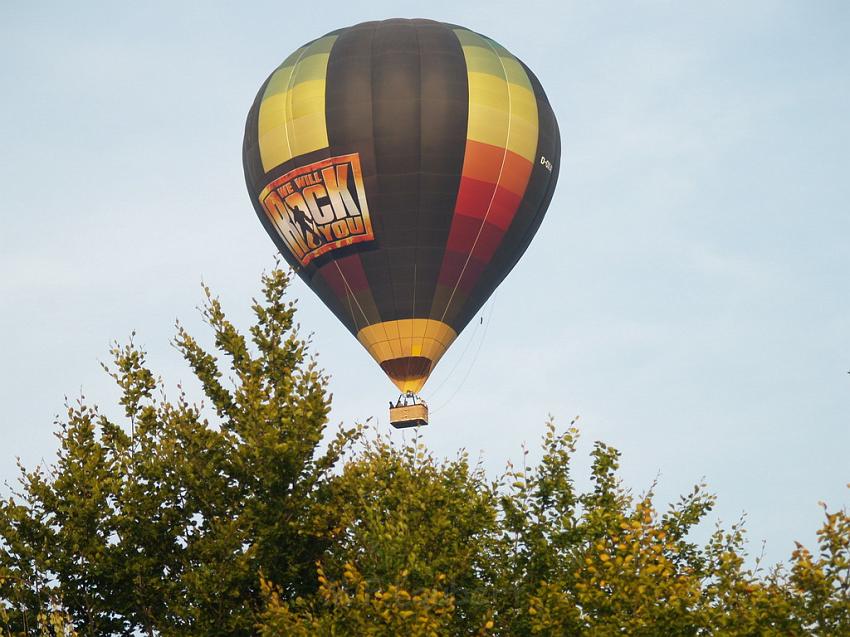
(687, 294)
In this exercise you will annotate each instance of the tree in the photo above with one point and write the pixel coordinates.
(161, 524)
(242, 515)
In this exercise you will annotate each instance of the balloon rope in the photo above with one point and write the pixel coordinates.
(413, 332)
(351, 296)
(288, 108)
(460, 358)
(495, 190)
(474, 359)
(351, 309)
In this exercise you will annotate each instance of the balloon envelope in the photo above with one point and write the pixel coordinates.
(402, 168)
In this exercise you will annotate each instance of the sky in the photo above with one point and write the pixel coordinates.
(686, 296)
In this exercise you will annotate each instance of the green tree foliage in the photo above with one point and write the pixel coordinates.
(243, 515)
(161, 524)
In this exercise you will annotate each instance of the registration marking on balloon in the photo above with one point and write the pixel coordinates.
(319, 207)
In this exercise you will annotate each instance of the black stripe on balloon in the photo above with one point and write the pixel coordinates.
(396, 136)
(530, 213)
(251, 162)
(444, 98)
(397, 94)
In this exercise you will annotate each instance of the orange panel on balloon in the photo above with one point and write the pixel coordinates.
(493, 164)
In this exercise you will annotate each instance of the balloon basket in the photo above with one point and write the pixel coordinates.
(408, 411)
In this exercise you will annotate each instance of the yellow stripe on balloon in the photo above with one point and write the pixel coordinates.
(502, 105)
(292, 111)
(488, 109)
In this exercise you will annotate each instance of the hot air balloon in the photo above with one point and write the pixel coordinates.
(402, 168)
